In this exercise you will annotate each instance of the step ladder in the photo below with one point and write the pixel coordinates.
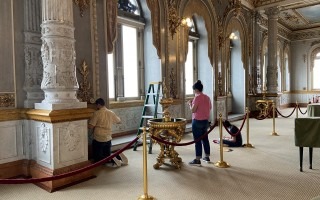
(150, 109)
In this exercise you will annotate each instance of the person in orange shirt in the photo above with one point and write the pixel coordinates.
(101, 122)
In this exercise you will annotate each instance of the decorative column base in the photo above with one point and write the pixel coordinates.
(60, 106)
(38, 171)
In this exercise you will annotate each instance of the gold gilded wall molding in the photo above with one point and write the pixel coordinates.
(11, 115)
(83, 5)
(55, 116)
(84, 92)
(208, 12)
(112, 13)
(7, 100)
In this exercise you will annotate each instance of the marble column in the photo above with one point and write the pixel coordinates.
(33, 62)
(59, 123)
(272, 72)
(59, 81)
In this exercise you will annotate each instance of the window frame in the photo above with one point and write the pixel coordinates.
(137, 22)
(194, 38)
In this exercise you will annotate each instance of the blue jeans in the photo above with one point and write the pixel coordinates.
(101, 150)
(199, 128)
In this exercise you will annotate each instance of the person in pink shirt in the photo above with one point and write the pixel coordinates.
(200, 106)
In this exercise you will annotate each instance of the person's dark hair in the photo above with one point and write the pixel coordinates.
(226, 123)
(198, 85)
(100, 101)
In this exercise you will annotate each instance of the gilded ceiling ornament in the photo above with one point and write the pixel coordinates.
(83, 5)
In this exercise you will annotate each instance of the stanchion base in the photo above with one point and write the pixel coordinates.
(248, 145)
(274, 134)
(221, 164)
(146, 197)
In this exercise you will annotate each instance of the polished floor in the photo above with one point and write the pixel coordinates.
(267, 172)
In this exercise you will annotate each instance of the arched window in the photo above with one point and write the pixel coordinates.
(286, 85)
(316, 72)
(125, 62)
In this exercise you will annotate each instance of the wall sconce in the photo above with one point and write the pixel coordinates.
(175, 21)
(222, 39)
(233, 36)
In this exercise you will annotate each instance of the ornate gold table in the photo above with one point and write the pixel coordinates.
(265, 107)
(172, 131)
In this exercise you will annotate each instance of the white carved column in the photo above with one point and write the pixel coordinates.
(272, 72)
(32, 53)
(59, 81)
(59, 122)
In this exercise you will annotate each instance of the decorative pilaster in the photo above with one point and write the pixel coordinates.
(59, 81)
(32, 53)
(272, 72)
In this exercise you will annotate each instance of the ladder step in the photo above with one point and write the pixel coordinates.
(151, 93)
(150, 105)
(148, 116)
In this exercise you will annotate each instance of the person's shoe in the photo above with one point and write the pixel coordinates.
(206, 159)
(123, 159)
(110, 164)
(195, 162)
(116, 161)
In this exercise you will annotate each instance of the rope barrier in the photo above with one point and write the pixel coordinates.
(239, 131)
(60, 176)
(187, 143)
(288, 115)
(301, 111)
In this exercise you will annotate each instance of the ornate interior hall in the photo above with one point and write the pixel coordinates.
(58, 56)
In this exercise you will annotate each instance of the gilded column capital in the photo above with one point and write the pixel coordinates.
(272, 12)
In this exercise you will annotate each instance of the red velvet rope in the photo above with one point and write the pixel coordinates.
(301, 111)
(187, 143)
(60, 176)
(288, 115)
(235, 134)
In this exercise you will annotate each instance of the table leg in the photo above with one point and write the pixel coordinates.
(301, 157)
(310, 157)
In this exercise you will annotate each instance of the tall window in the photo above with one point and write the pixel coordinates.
(191, 60)
(189, 66)
(316, 72)
(125, 62)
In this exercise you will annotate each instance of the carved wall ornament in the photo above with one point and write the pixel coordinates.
(43, 138)
(7, 100)
(174, 20)
(172, 84)
(71, 138)
(84, 92)
(220, 84)
(304, 58)
(83, 5)
(315, 43)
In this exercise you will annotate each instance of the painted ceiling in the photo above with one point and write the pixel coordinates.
(295, 14)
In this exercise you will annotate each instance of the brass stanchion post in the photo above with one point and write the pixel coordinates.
(248, 144)
(145, 196)
(274, 120)
(297, 109)
(221, 163)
